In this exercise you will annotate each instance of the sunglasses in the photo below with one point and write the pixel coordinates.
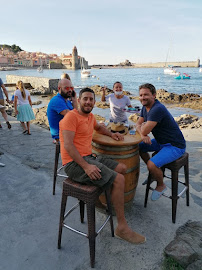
(69, 88)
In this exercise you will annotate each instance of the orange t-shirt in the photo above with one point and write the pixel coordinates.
(83, 128)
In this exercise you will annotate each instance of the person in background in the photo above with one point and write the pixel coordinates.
(59, 105)
(76, 131)
(2, 108)
(65, 76)
(168, 139)
(118, 101)
(23, 107)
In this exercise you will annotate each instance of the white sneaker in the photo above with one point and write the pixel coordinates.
(2, 165)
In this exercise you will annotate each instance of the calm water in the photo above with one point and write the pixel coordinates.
(130, 78)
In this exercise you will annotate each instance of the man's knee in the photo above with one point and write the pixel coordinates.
(121, 168)
(151, 166)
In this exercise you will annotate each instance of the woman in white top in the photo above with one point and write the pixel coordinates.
(23, 107)
(118, 102)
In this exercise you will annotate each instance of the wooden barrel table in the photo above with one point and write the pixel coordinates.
(126, 152)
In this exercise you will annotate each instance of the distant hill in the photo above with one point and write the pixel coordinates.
(14, 48)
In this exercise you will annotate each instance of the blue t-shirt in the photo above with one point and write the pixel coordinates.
(56, 105)
(1, 92)
(166, 130)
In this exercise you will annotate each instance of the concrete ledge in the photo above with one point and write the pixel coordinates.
(35, 82)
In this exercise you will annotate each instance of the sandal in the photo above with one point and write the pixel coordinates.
(8, 124)
(25, 132)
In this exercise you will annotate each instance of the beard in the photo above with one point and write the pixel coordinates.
(86, 110)
(65, 95)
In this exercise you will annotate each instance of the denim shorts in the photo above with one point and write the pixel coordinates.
(166, 152)
(106, 165)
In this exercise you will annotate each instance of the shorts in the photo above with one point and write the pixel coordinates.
(106, 165)
(166, 152)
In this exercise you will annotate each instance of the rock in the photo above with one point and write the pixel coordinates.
(37, 102)
(41, 91)
(103, 105)
(41, 117)
(197, 265)
(98, 90)
(188, 121)
(99, 118)
(186, 248)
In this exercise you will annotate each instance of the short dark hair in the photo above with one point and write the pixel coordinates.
(148, 86)
(116, 83)
(86, 89)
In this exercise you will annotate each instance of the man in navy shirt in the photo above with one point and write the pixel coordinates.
(59, 105)
(168, 139)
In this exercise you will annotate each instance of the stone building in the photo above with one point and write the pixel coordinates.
(73, 61)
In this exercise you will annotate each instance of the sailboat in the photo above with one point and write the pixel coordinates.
(40, 69)
(170, 68)
(84, 72)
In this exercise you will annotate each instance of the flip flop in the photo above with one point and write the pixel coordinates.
(24, 132)
(157, 194)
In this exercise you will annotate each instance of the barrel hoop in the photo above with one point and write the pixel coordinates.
(132, 169)
(118, 149)
(129, 192)
(117, 156)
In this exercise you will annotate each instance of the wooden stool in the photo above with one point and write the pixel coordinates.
(86, 195)
(174, 167)
(57, 152)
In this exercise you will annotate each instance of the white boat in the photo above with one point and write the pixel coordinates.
(40, 69)
(171, 71)
(85, 73)
(200, 69)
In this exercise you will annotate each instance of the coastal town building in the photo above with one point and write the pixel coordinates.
(74, 61)
(36, 59)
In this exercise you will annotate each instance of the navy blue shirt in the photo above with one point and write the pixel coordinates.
(166, 130)
(56, 105)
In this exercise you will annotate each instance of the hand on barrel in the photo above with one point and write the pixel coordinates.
(93, 172)
(117, 136)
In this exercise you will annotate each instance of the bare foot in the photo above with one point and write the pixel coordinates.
(130, 236)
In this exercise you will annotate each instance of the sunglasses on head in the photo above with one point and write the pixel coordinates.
(68, 88)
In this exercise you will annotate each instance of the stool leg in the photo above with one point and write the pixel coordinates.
(147, 190)
(91, 232)
(109, 207)
(57, 152)
(174, 194)
(186, 173)
(82, 207)
(62, 213)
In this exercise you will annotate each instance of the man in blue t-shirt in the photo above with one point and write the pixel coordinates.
(168, 139)
(59, 105)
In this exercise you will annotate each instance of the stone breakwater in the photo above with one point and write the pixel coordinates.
(190, 100)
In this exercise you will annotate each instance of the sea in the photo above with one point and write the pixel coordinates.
(131, 78)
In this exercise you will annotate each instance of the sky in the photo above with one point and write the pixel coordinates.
(106, 31)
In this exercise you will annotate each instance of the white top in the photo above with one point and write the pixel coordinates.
(116, 107)
(21, 100)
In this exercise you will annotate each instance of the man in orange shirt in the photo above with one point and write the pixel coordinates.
(76, 131)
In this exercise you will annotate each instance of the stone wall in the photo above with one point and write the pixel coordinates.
(54, 65)
(162, 64)
(51, 84)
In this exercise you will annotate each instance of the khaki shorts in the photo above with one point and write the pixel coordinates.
(106, 165)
